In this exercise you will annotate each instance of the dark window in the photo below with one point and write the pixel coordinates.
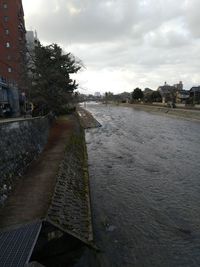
(6, 31)
(6, 18)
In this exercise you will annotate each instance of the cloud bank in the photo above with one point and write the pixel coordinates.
(123, 44)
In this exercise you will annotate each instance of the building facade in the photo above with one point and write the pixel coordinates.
(173, 93)
(179, 86)
(12, 40)
(12, 45)
(167, 92)
(182, 96)
(195, 94)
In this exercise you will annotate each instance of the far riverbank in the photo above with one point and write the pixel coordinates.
(173, 112)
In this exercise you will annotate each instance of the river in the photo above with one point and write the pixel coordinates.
(145, 188)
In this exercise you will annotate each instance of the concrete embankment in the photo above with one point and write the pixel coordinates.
(70, 206)
(86, 119)
(189, 114)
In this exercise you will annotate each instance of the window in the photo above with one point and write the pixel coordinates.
(5, 5)
(6, 31)
(7, 44)
(6, 18)
(9, 69)
(8, 57)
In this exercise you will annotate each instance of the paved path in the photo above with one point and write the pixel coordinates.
(32, 195)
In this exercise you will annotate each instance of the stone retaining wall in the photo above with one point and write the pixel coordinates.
(20, 142)
(70, 207)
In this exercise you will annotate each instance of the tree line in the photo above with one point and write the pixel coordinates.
(150, 96)
(137, 95)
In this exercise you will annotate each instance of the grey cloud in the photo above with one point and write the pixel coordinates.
(192, 8)
(167, 39)
(89, 22)
(86, 21)
(146, 38)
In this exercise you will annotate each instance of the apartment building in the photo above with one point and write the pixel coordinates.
(12, 40)
(12, 47)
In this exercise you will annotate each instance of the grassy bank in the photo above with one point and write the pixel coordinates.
(172, 112)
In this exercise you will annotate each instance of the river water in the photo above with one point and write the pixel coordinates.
(145, 188)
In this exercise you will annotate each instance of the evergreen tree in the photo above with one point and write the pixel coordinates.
(137, 94)
(52, 86)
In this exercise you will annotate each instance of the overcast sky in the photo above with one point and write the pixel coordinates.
(123, 43)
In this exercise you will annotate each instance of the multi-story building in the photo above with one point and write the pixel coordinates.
(12, 44)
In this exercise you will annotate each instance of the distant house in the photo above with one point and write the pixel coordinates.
(167, 92)
(182, 96)
(195, 93)
(179, 86)
(125, 97)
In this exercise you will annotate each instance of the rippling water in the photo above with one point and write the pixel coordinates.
(145, 188)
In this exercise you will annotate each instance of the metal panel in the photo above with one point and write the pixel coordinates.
(17, 245)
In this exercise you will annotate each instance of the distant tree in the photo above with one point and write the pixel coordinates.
(148, 97)
(52, 86)
(156, 96)
(137, 94)
(153, 96)
(109, 96)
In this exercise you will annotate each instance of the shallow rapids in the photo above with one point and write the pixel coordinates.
(145, 188)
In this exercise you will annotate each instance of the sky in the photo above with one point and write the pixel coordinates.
(123, 44)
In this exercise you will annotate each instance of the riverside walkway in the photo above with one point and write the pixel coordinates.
(54, 190)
